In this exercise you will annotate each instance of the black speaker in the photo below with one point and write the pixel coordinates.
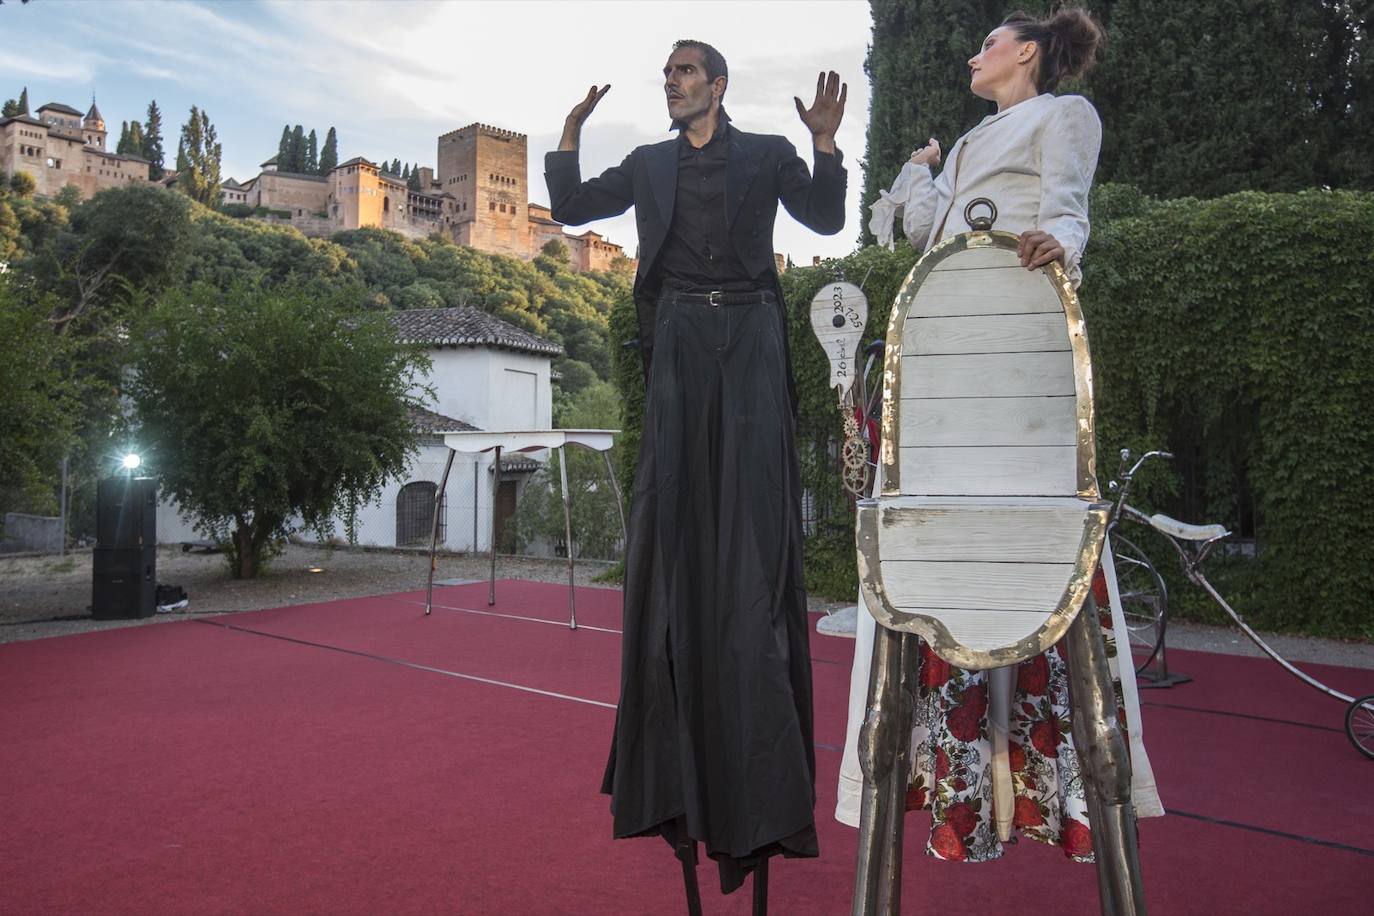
(124, 582)
(126, 512)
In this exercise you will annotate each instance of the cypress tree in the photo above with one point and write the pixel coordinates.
(24, 101)
(312, 154)
(122, 147)
(1210, 98)
(917, 65)
(296, 152)
(329, 156)
(284, 150)
(135, 139)
(203, 152)
(182, 162)
(414, 182)
(395, 167)
(152, 141)
(1195, 99)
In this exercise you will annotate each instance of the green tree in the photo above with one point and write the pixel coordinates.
(152, 142)
(182, 162)
(38, 409)
(24, 101)
(136, 139)
(595, 515)
(266, 406)
(10, 109)
(203, 152)
(329, 156)
(297, 151)
(312, 154)
(918, 70)
(122, 147)
(23, 184)
(284, 149)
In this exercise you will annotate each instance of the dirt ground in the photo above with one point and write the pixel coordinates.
(51, 596)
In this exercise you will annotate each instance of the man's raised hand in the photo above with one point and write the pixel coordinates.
(572, 125)
(824, 115)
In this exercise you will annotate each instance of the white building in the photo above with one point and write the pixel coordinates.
(485, 374)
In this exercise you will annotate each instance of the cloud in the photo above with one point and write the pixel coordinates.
(60, 65)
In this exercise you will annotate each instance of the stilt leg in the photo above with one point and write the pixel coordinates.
(1105, 767)
(686, 851)
(894, 796)
(878, 740)
(761, 888)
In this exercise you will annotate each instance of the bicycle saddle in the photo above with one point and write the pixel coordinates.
(1186, 532)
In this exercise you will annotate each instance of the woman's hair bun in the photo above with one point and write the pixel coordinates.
(1070, 41)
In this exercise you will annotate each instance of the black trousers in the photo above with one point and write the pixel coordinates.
(714, 727)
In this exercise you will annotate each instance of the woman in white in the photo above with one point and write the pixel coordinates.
(993, 750)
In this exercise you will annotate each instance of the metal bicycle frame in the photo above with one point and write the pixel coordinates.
(1192, 560)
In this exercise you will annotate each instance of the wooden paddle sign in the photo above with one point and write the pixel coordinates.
(838, 315)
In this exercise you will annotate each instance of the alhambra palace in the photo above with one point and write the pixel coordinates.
(477, 196)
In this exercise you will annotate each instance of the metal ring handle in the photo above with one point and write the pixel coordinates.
(980, 223)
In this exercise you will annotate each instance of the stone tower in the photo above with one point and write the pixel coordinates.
(485, 169)
(93, 127)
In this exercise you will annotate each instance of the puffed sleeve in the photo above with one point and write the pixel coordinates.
(1069, 144)
(911, 199)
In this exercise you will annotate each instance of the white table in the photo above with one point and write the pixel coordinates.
(524, 440)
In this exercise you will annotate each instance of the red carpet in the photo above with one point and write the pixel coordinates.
(300, 761)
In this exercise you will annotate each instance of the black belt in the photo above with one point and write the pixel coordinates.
(720, 297)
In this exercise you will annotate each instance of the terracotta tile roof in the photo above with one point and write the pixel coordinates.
(467, 327)
(58, 106)
(516, 463)
(427, 421)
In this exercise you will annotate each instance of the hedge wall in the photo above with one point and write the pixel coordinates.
(1237, 333)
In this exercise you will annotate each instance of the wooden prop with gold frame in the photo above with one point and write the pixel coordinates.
(987, 529)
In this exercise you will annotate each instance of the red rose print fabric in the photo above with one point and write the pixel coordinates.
(952, 758)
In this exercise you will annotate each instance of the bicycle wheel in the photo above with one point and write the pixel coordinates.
(1144, 600)
(1359, 725)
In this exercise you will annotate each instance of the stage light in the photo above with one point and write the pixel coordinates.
(131, 461)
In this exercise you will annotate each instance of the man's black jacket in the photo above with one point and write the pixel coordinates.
(760, 170)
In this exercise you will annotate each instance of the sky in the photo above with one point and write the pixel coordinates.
(391, 77)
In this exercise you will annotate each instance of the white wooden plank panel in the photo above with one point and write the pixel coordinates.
(978, 586)
(986, 502)
(975, 258)
(1049, 470)
(985, 630)
(996, 535)
(979, 375)
(996, 291)
(988, 421)
(986, 334)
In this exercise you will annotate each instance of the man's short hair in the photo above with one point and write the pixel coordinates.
(710, 57)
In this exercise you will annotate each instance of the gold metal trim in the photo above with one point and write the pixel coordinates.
(1078, 342)
(942, 642)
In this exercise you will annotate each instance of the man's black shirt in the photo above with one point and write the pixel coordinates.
(697, 253)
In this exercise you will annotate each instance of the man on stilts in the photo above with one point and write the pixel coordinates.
(713, 735)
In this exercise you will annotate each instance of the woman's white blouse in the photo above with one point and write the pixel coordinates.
(1035, 161)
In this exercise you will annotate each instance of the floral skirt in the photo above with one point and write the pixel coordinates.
(993, 753)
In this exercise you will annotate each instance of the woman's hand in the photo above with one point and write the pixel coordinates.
(928, 154)
(1037, 248)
